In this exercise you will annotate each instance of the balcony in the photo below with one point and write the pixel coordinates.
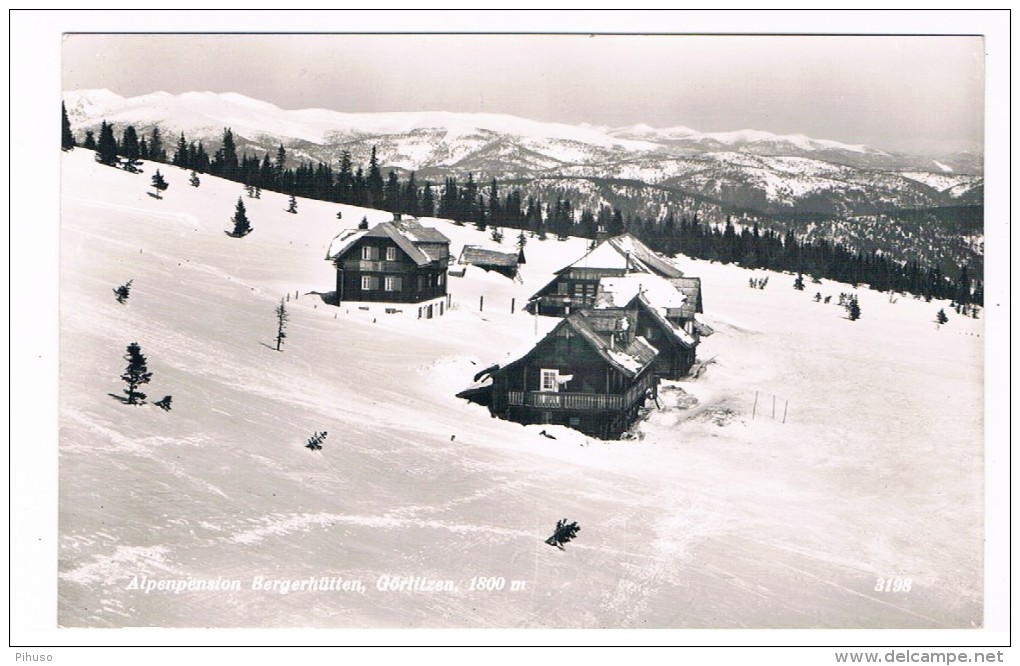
(582, 401)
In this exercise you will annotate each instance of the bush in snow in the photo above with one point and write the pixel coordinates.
(798, 284)
(164, 404)
(195, 182)
(315, 441)
(292, 205)
(853, 308)
(123, 291)
(564, 532)
(941, 317)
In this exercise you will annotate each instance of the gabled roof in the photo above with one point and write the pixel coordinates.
(631, 358)
(659, 297)
(480, 256)
(627, 252)
(422, 244)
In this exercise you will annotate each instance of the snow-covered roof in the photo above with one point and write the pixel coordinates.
(628, 253)
(422, 244)
(481, 256)
(620, 291)
(343, 242)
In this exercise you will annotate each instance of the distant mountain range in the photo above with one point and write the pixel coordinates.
(786, 181)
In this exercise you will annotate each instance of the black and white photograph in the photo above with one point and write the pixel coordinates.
(533, 329)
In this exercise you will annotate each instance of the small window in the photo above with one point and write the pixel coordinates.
(550, 380)
(575, 421)
(579, 290)
(388, 280)
(366, 282)
(649, 333)
(562, 288)
(366, 252)
(391, 254)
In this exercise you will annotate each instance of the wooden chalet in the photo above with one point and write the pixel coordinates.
(504, 263)
(394, 262)
(592, 372)
(575, 287)
(666, 312)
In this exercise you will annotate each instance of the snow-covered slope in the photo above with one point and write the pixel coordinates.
(719, 515)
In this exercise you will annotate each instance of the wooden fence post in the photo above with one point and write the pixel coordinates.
(512, 303)
(481, 303)
(785, 407)
(755, 408)
(773, 406)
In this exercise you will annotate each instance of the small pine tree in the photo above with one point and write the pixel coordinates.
(281, 323)
(292, 205)
(798, 284)
(818, 296)
(159, 183)
(364, 223)
(258, 192)
(497, 234)
(941, 317)
(853, 308)
(136, 374)
(564, 533)
(164, 404)
(195, 182)
(315, 441)
(90, 140)
(123, 291)
(242, 227)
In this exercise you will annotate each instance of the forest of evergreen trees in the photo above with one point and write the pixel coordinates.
(486, 205)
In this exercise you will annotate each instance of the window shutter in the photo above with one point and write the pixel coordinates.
(398, 284)
(375, 282)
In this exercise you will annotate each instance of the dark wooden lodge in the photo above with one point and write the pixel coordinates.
(394, 262)
(591, 373)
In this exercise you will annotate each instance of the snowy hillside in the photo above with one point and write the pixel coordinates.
(718, 514)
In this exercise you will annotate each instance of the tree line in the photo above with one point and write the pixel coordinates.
(486, 205)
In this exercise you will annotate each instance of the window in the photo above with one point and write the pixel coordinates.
(366, 253)
(578, 290)
(391, 283)
(562, 288)
(388, 280)
(366, 282)
(550, 380)
(391, 254)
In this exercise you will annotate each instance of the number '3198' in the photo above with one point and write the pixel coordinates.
(892, 585)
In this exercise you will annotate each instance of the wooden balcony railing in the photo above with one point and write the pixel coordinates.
(582, 401)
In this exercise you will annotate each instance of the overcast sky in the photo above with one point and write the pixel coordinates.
(910, 94)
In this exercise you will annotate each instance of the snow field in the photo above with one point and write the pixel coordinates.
(709, 519)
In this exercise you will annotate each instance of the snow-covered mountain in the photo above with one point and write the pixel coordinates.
(814, 460)
(719, 172)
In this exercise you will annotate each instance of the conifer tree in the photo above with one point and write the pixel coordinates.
(129, 144)
(292, 205)
(156, 151)
(941, 317)
(194, 180)
(798, 284)
(242, 227)
(281, 323)
(106, 148)
(123, 291)
(66, 135)
(159, 183)
(374, 181)
(90, 140)
(136, 374)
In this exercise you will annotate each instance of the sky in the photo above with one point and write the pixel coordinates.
(900, 93)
